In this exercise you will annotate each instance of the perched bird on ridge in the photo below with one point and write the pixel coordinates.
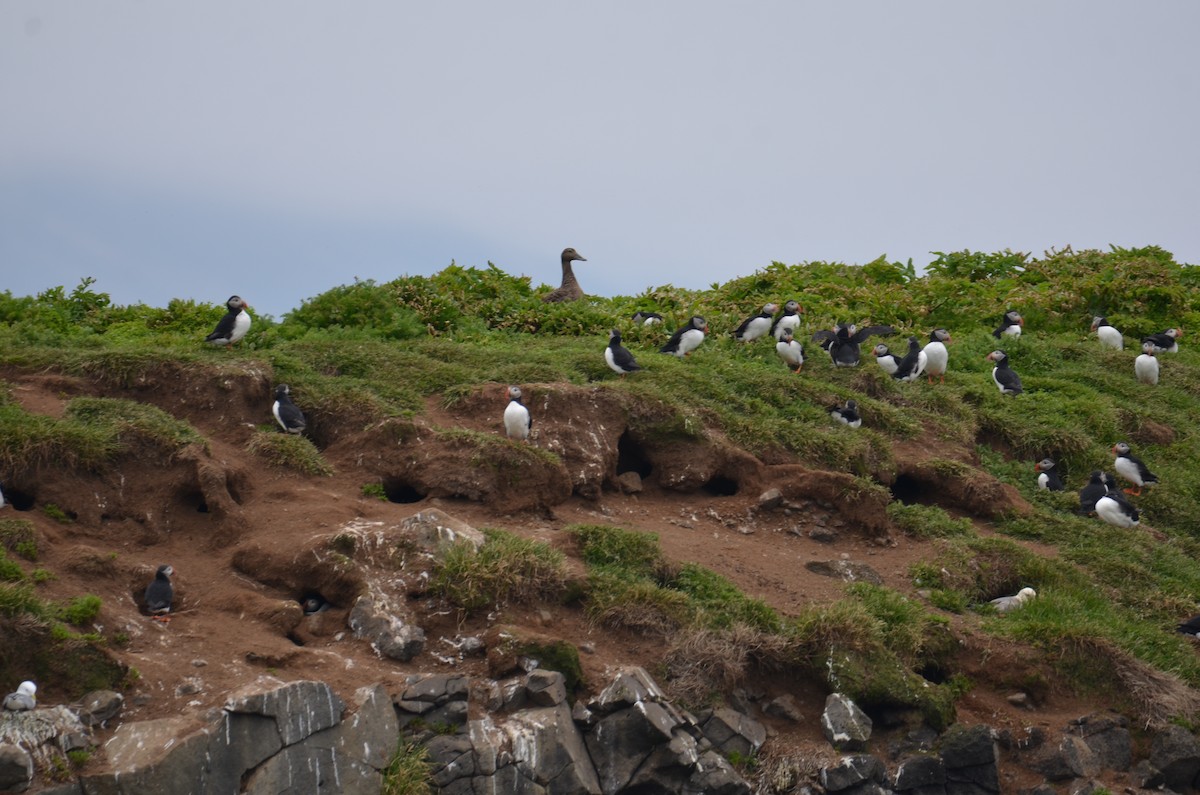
(1099, 484)
(937, 357)
(160, 593)
(233, 326)
(1048, 478)
(517, 421)
(287, 414)
(687, 337)
(1145, 366)
(646, 318)
(24, 699)
(757, 325)
(912, 365)
(569, 290)
(887, 360)
(1006, 604)
(790, 319)
(1005, 377)
(1165, 341)
(1107, 334)
(1132, 469)
(791, 351)
(1010, 325)
(1116, 510)
(842, 341)
(618, 357)
(847, 414)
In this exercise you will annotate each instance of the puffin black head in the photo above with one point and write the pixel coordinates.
(999, 357)
(852, 405)
(282, 391)
(164, 572)
(1148, 348)
(514, 393)
(786, 335)
(698, 322)
(1045, 465)
(770, 308)
(571, 255)
(614, 337)
(236, 303)
(1120, 449)
(881, 350)
(792, 308)
(1013, 318)
(1098, 321)
(939, 335)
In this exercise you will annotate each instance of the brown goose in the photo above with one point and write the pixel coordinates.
(570, 289)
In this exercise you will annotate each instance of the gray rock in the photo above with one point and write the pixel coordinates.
(920, 774)
(548, 749)
(1144, 775)
(770, 499)
(845, 570)
(375, 620)
(435, 688)
(437, 531)
(846, 727)
(963, 746)
(1109, 739)
(784, 707)
(715, 776)
(734, 733)
(630, 482)
(176, 755)
(546, 688)
(16, 768)
(620, 742)
(299, 709)
(629, 687)
(98, 706)
(852, 771)
(451, 757)
(1175, 752)
(1071, 759)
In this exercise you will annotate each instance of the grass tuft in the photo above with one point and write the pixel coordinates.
(290, 452)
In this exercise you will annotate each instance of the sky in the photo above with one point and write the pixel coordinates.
(279, 148)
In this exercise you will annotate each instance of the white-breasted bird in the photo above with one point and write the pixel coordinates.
(790, 351)
(1145, 366)
(1107, 334)
(618, 357)
(233, 325)
(517, 421)
(24, 699)
(1006, 604)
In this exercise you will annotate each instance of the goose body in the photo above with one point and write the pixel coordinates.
(1107, 334)
(569, 290)
(517, 421)
(233, 326)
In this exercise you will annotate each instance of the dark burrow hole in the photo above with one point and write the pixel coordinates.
(910, 491)
(631, 457)
(194, 499)
(933, 673)
(401, 491)
(19, 499)
(294, 639)
(721, 486)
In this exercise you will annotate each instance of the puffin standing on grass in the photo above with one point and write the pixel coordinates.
(1005, 377)
(1107, 334)
(1145, 366)
(1132, 469)
(887, 360)
(936, 355)
(1099, 483)
(287, 414)
(1048, 478)
(618, 357)
(233, 326)
(687, 338)
(160, 593)
(1165, 341)
(789, 320)
(1116, 510)
(847, 414)
(569, 290)
(517, 421)
(1010, 325)
(24, 699)
(756, 326)
(913, 364)
(646, 318)
(791, 351)
(842, 341)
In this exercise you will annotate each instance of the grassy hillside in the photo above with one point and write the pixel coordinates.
(373, 351)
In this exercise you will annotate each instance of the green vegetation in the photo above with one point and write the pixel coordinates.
(409, 771)
(19, 536)
(289, 451)
(505, 568)
(81, 610)
(374, 491)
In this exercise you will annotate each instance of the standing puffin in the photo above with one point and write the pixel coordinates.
(1165, 341)
(887, 360)
(1048, 478)
(1132, 469)
(842, 341)
(847, 414)
(936, 355)
(287, 413)
(1005, 377)
(517, 421)
(756, 326)
(1010, 326)
(618, 357)
(233, 326)
(1116, 510)
(1107, 334)
(1099, 483)
(24, 699)
(686, 338)
(913, 364)
(646, 318)
(790, 351)
(1145, 366)
(160, 593)
(569, 290)
(790, 319)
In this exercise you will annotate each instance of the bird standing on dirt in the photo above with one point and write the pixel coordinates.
(233, 326)
(23, 699)
(618, 357)
(569, 290)
(160, 593)
(1132, 469)
(687, 337)
(517, 421)
(1006, 604)
(287, 413)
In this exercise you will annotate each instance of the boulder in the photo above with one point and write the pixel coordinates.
(98, 706)
(374, 618)
(1108, 738)
(921, 775)
(1175, 753)
(437, 531)
(971, 758)
(16, 768)
(1071, 759)
(851, 772)
(734, 733)
(548, 749)
(846, 727)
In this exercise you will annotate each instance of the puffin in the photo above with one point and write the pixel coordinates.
(1132, 469)
(1010, 326)
(618, 357)
(1005, 377)
(1145, 366)
(687, 338)
(1165, 341)
(1006, 604)
(646, 318)
(842, 341)
(790, 351)
(884, 357)
(569, 290)
(847, 414)
(1190, 627)
(1048, 478)
(913, 364)
(233, 326)
(313, 603)
(1116, 510)
(517, 421)
(756, 326)
(24, 699)
(287, 413)
(1107, 334)
(936, 355)
(160, 593)
(790, 319)
(1099, 484)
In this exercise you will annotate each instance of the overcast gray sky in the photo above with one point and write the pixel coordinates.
(277, 148)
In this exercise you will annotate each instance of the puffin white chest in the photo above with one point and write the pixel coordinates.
(690, 341)
(516, 421)
(241, 325)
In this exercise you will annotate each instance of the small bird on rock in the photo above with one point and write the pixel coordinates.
(23, 699)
